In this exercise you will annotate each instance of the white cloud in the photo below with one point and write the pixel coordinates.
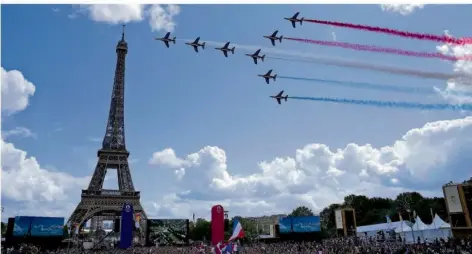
(168, 158)
(16, 90)
(317, 175)
(18, 131)
(115, 13)
(403, 9)
(457, 90)
(23, 179)
(160, 17)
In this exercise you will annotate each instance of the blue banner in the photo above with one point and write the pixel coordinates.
(306, 224)
(29, 226)
(285, 225)
(126, 239)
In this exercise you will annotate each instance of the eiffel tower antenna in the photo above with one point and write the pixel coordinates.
(102, 204)
(123, 33)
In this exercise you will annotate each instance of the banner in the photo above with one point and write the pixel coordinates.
(217, 224)
(126, 239)
(339, 219)
(285, 225)
(452, 199)
(31, 226)
(306, 224)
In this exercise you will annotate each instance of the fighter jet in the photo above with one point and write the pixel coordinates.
(295, 19)
(274, 37)
(267, 76)
(255, 56)
(279, 96)
(166, 39)
(195, 44)
(225, 49)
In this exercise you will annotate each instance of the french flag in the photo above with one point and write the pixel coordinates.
(219, 248)
(238, 231)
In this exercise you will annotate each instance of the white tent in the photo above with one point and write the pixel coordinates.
(438, 223)
(403, 227)
(419, 224)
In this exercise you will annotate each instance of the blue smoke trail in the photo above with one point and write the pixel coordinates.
(390, 104)
(370, 86)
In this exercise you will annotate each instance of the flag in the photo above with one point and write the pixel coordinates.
(69, 224)
(228, 248)
(126, 234)
(137, 220)
(238, 231)
(388, 219)
(218, 248)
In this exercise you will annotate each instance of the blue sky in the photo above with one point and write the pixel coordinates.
(183, 101)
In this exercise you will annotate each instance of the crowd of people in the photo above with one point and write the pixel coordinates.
(331, 246)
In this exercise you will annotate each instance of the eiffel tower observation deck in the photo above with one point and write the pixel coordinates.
(97, 203)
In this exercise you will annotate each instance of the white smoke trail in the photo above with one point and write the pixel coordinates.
(296, 56)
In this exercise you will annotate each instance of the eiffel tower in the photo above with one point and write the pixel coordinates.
(97, 203)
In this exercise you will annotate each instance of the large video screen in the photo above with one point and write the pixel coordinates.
(285, 225)
(167, 232)
(30, 226)
(306, 224)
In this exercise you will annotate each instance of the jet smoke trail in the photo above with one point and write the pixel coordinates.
(420, 36)
(389, 104)
(363, 85)
(384, 68)
(373, 48)
(279, 54)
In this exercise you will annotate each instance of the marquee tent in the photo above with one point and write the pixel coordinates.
(438, 223)
(419, 224)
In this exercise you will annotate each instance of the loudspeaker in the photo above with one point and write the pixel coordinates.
(227, 225)
(116, 225)
(10, 227)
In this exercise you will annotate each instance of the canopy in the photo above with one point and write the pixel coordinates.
(403, 227)
(378, 227)
(438, 223)
(419, 224)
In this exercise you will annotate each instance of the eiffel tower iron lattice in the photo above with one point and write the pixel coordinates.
(96, 201)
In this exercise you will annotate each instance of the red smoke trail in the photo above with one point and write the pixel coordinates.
(381, 49)
(420, 36)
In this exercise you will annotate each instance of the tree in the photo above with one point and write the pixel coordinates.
(302, 211)
(200, 230)
(65, 231)
(374, 210)
(4, 229)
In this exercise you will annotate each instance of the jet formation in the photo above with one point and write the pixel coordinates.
(256, 56)
(279, 97)
(226, 48)
(295, 19)
(274, 37)
(195, 44)
(267, 76)
(166, 39)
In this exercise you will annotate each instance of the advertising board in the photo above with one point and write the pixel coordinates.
(167, 232)
(306, 224)
(29, 226)
(285, 225)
